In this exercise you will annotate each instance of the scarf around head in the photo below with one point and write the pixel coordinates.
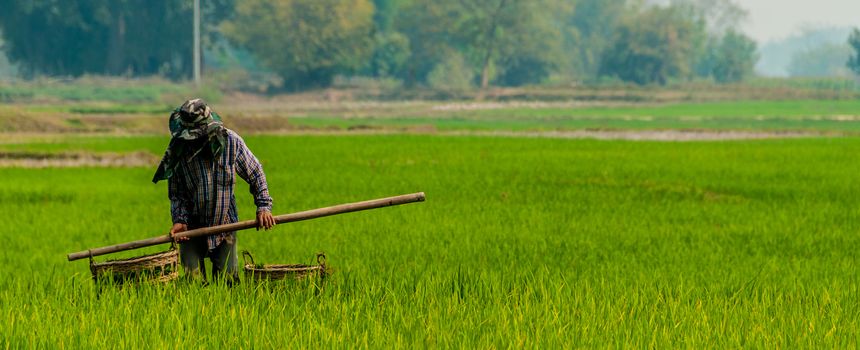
(192, 121)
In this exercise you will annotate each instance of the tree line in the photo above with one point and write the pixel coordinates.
(854, 58)
(452, 44)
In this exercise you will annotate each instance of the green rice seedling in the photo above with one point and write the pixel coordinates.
(522, 243)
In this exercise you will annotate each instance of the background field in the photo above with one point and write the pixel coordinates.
(522, 243)
(117, 106)
(273, 116)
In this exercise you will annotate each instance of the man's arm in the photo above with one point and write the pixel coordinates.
(179, 203)
(250, 170)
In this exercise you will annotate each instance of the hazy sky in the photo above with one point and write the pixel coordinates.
(776, 19)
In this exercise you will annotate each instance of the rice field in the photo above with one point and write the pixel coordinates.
(522, 243)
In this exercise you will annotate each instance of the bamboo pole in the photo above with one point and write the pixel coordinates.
(243, 225)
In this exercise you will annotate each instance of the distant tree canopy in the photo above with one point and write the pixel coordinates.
(777, 56)
(825, 60)
(454, 44)
(591, 26)
(111, 37)
(660, 44)
(854, 60)
(307, 42)
(390, 48)
(511, 42)
(651, 47)
(734, 58)
(6, 68)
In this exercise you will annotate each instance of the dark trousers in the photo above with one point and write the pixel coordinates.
(224, 262)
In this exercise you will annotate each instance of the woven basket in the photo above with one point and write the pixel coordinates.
(153, 268)
(279, 272)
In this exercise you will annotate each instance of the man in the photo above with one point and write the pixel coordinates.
(199, 165)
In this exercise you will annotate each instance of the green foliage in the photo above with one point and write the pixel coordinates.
(529, 42)
(451, 74)
(390, 53)
(519, 37)
(7, 69)
(111, 37)
(259, 45)
(653, 46)
(427, 25)
(854, 42)
(734, 58)
(516, 41)
(307, 42)
(690, 38)
(719, 16)
(390, 48)
(590, 27)
(522, 243)
(384, 14)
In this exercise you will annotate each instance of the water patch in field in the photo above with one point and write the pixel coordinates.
(845, 118)
(24, 159)
(496, 105)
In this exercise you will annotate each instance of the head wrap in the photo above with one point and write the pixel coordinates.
(193, 121)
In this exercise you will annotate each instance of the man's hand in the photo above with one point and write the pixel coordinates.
(177, 228)
(265, 220)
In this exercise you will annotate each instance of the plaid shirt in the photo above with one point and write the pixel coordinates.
(201, 189)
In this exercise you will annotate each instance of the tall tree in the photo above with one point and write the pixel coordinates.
(390, 47)
(720, 16)
(307, 42)
(518, 41)
(390, 53)
(651, 47)
(6, 68)
(716, 21)
(428, 27)
(854, 60)
(384, 13)
(735, 58)
(75, 37)
(588, 33)
(530, 43)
